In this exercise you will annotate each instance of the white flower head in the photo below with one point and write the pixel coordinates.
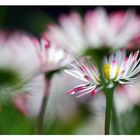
(55, 56)
(20, 60)
(116, 69)
(97, 29)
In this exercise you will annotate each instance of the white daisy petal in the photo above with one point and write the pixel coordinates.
(116, 69)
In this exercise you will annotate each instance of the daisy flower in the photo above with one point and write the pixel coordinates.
(29, 103)
(97, 29)
(20, 60)
(118, 68)
(54, 57)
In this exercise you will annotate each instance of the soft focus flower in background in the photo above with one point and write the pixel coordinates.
(55, 56)
(64, 110)
(126, 97)
(98, 29)
(53, 59)
(117, 68)
(30, 102)
(20, 61)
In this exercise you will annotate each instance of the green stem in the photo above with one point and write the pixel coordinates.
(109, 99)
(41, 115)
(115, 119)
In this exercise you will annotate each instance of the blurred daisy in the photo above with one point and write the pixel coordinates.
(20, 60)
(98, 29)
(29, 103)
(116, 69)
(54, 57)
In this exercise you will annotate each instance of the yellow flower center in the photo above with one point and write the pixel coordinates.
(106, 71)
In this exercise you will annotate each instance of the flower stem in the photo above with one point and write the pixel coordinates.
(41, 115)
(109, 100)
(115, 119)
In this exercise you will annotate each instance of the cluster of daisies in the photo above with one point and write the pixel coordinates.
(117, 31)
(23, 57)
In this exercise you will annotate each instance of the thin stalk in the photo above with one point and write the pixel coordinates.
(109, 99)
(41, 115)
(115, 119)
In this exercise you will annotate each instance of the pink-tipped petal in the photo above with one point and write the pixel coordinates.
(116, 20)
(114, 61)
(70, 92)
(92, 92)
(76, 89)
(126, 58)
(136, 55)
(45, 43)
(87, 77)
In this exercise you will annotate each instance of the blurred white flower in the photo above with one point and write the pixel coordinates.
(98, 29)
(58, 103)
(117, 69)
(55, 57)
(29, 103)
(20, 61)
(126, 97)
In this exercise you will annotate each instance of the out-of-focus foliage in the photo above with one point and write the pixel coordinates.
(127, 123)
(69, 127)
(13, 122)
(29, 19)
